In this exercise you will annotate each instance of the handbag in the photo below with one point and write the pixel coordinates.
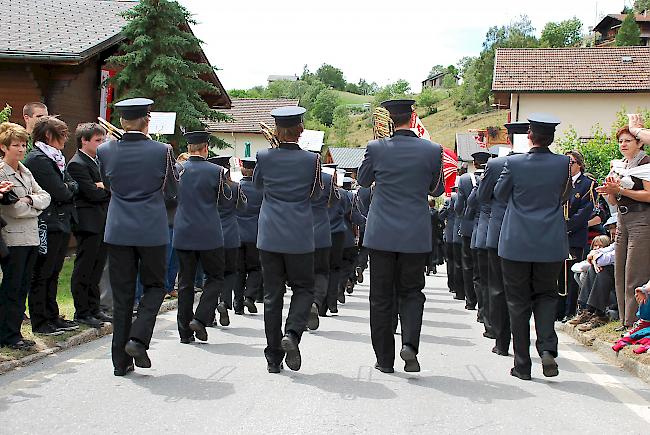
(42, 237)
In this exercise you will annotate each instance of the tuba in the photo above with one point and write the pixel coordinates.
(112, 130)
(269, 134)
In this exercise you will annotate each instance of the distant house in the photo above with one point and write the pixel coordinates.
(435, 81)
(348, 159)
(59, 57)
(281, 78)
(243, 133)
(607, 29)
(581, 86)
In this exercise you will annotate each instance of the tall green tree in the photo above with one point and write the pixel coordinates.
(324, 105)
(641, 6)
(436, 69)
(629, 34)
(5, 113)
(155, 63)
(567, 33)
(331, 76)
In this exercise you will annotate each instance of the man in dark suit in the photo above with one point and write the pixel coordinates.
(198, 238)
(289, 178)
(92, 204)
(465, 215)
(404, 169)
(582, 203)
(533, 242)
(139, 173)
(498, 308)
(249, 280)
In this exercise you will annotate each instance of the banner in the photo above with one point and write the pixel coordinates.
(107, 94)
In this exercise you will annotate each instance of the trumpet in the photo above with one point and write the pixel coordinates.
(269, 134)
(112, 130)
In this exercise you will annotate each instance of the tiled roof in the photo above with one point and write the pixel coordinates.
(247, 113)
(594, 69)
(347, 158)
(64, 30)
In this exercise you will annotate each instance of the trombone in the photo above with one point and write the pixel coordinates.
(112, 130)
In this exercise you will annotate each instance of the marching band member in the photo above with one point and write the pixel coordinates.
(404, 169)
(289, 178)
(139, 173)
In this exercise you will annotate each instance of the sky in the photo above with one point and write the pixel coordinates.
(380, 41)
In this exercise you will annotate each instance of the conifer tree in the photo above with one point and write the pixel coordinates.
(154, 62)
(629, 34)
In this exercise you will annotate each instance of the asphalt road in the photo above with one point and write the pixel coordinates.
(223, 386)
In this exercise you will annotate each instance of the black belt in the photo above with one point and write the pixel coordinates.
(637, 206)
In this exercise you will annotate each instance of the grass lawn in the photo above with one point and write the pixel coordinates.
(66, 308)
(608, 334)
(350, 98)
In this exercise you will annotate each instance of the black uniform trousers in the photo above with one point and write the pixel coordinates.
(482, 282)
(567, 305)
(458, 270)
(43, 307)
(498, 307)
(123, 264)
(213, 265)
(403, 274)
(336, 262)
(468, 272)
(321, 276)
(16, 275)
(249, 275)
(476, 281)
(362, 257)
(298, 271)
(449, 253)
(349, 260)
(88, 267)
(531, 288)
(231, 256)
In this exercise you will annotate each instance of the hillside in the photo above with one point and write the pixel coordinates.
(442, 126)
(350, 98)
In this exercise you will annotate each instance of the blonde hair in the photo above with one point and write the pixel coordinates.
(10, 132)
(603, 241)
(182, 157)
(134, 124)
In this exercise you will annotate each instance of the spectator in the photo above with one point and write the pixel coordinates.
(32, 112)
(91, 205)
(47, 164)
(20, 233)
(633, 201)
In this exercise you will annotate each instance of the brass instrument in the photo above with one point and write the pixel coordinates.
(269, 134)
(382, 125)
(110, 128)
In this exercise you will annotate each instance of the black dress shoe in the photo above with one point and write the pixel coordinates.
(139, 353)
(359, 275)
(523, 376)
(224, 320)
(21, 345)
(458, 298)
(91, 321)
(384, 369)
(313, 322)
(334, 310)
(470, 307)
(199, 330)
(490, 335)
(239, 311)
(249, 303)
(290, 346)
(499, 351)
(549, 366)
(188, 340)
(341, 297)
(274, 368)
(124, 370)
(410, 358)
(103, 317)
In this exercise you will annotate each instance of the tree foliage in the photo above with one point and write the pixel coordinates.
(641, 6)
(567, 33)
(155, 63)
(474, 94)
(5, 113)
(629, 34)
(428, 100)
(331, 76)
(324, 104)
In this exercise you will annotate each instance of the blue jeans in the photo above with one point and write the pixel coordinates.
(172, 263)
